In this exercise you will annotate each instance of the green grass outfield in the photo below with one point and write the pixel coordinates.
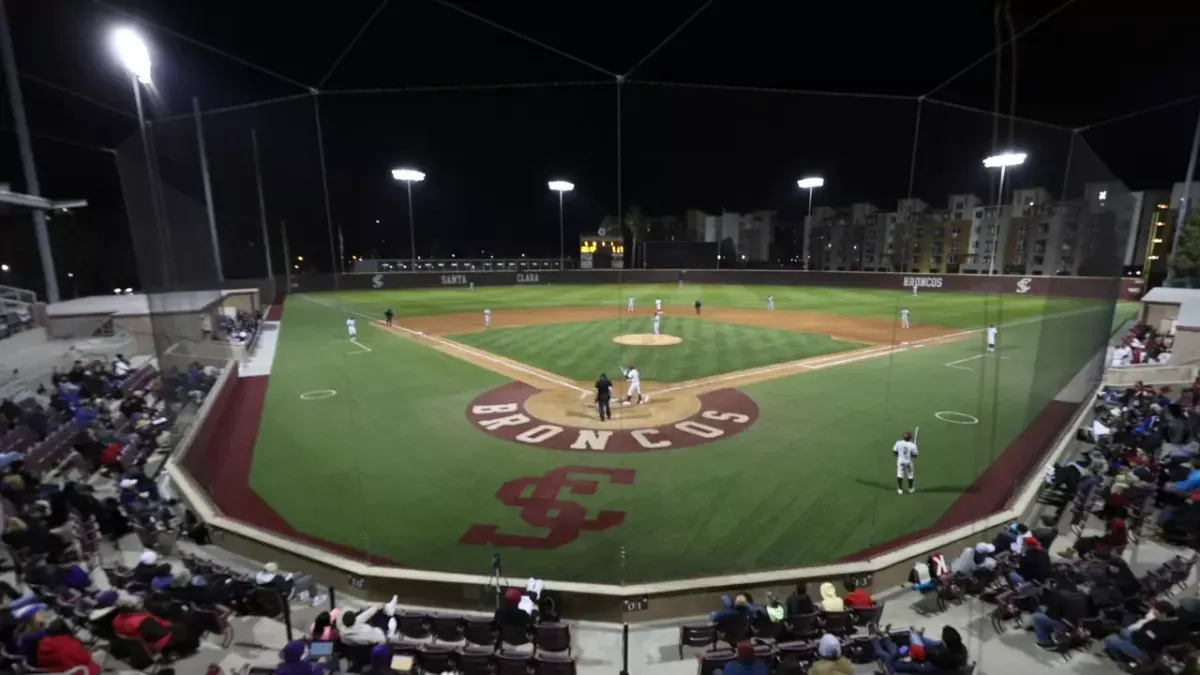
(391, 466)
(579, 350)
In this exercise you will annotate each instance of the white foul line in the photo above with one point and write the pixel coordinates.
(477, 353)
(359, 344)
(954, 364)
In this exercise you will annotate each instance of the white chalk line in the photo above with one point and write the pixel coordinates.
(360, 345)
(954, 364)
(477, 353)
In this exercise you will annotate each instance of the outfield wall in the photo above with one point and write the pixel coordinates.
(1104, 288)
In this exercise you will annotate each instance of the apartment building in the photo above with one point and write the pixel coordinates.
(750, 233)
(1030, 233)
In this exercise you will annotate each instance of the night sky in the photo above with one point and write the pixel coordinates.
(489, 149)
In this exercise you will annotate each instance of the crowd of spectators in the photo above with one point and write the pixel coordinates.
(241, 328)
(1143, 345)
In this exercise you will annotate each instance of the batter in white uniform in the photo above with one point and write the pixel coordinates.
(350, 328)
(487, 318)
(635, 385)
(992, 331)
(904, 318)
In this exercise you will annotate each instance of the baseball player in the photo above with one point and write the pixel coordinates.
(629, 307)
(906, 453)
(657, 319)
(635, 384)
(487, 318)
(472, 286)
(604, 397)
(991, 335)
(904, 317)
(770, 303)
(350, 327)
(389, 316)
(657, 305)
(914, 289)
(697, 307)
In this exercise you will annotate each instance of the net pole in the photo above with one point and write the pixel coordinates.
(208, 199)
(262, 205)
(325, 189)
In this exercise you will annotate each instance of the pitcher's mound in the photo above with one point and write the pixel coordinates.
(647, 340)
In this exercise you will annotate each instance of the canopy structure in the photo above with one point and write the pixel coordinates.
(10, 201)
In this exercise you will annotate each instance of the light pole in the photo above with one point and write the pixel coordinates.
(135, 57)
(810, 183)
(561, 186)
(410, 176)
(1003, 160)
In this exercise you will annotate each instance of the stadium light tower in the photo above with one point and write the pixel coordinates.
(410, 176)
(1003, 161)
(561, 186)
(810, 183)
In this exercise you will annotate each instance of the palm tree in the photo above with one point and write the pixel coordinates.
(636, 221)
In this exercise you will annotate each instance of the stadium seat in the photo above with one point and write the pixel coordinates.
(714, 660)
(552, 637)
(446, 627)
(413, 626)
(512, 663)
(479, 631)
(697, 635)
(553, 663)
(474, 660)
(435, 658)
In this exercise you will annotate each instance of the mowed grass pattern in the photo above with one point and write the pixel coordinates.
(390, 466)
(581, 350)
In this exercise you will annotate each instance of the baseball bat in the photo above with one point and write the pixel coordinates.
(916, 432)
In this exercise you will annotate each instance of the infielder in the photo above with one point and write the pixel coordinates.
(904, 318)
(657, 318)
(770, 303)
(914, 289)
(991, 334)
(657, 305)
(472, 286)
(350, 328)
(635, 384)
(906, 452)
(487, 318)
(629, 307)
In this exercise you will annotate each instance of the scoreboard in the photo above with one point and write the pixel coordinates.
(601, 251)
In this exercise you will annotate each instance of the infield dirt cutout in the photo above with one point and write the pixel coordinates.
(547, 410)
(647, 340)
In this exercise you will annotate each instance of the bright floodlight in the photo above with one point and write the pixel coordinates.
(409, 175)
(810, 182)
(134, 55)
(3, 268)
(561, 186)
(1005, 159)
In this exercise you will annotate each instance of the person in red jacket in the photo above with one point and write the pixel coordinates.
(856, 598)
(162, 636)
(59, 651)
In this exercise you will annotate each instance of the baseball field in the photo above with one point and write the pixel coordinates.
(765, 443)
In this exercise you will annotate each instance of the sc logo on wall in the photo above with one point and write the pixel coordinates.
(1024, 284)
(377, 281)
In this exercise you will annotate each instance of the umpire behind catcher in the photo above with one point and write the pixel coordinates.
(603, 397)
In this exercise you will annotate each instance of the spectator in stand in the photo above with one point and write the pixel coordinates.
(60, 651)
(1114, 539)
(856, 598)
(830, 602)
(1135, 642)
(746, 662)
(799, 603)
(147, 567)
(322, 628)
(354, 628)
(510, 613)
(380, 661)
(1055, 599)
(829, 658)
(294, 662)
(132, 620)
(1035, 564)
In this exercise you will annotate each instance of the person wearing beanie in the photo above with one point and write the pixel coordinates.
(510, 616)
(737, 615)
(380, 661)
(746, 662)
(799, 603)
(830, 660)
(147, 567)
(294, 662)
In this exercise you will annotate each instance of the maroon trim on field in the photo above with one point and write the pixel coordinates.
(501, 412)
(274, 312)
(992, 490)
(222, 464)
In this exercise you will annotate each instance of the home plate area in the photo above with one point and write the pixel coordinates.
(560, 419)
